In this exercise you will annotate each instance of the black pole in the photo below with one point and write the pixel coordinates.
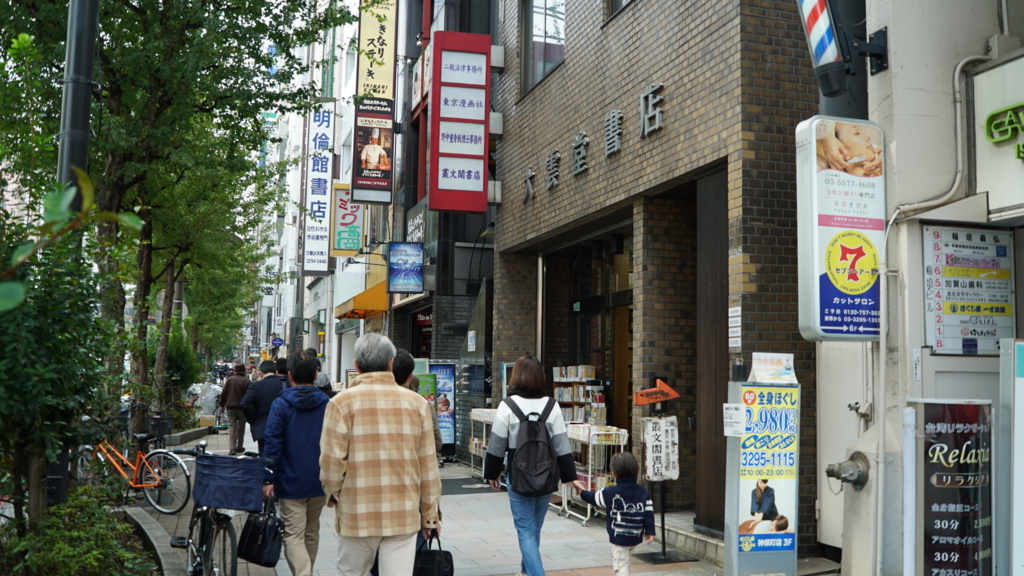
(664, 548)
(73, 150)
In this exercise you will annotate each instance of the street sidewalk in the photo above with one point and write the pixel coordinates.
(477, 529)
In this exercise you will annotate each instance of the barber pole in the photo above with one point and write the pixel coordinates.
(820, 33)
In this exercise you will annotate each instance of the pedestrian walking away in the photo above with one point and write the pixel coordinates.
(628, 509)
(259, 397)
(292, 443)
(231, 402)
(544, 459)
(378, 465)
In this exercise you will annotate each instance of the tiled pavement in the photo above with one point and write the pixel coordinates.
(477, 529)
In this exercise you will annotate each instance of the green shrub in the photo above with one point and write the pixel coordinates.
(79, 538)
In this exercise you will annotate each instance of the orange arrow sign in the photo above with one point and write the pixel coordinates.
(660, 393)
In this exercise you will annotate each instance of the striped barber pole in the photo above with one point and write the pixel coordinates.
(820, 33)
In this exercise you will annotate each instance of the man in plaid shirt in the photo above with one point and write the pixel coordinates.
(378, 465)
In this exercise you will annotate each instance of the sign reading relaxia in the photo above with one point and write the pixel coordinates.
(841, 225)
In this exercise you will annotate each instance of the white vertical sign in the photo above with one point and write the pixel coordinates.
(316, 233)
(661, 448)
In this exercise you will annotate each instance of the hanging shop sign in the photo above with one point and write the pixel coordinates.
(373, 134)
(405, 267)
(768, 495)
(999, 135)
(968, 280)
(661, 448)
(768, 368)
(460, 111)
(841, 224)
(955, 474)
(316, 225)
(346, 223)
(445, 400)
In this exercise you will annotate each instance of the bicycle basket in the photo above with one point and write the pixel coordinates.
(226, 482)
(160, 426)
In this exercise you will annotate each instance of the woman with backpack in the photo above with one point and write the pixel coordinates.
(528, 425)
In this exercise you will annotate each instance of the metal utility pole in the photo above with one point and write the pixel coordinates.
(73, 149)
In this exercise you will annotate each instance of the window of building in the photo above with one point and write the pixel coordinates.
(615, 5)
(543, 38)
(328, 64)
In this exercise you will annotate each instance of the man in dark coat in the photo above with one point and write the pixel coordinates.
(230, 402)
(258, 398)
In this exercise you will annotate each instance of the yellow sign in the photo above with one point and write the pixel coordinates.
(850, 262)
(378, 23)
(769, 445)
(976, 309)
(986, 273)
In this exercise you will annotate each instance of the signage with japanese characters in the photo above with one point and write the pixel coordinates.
(841, 224)
(956, 472)
(373, 136)
(968, 289)
(459, 116)
(661, 449)
(769, 462)
(346, 223)
(316, 229)
(405, 267)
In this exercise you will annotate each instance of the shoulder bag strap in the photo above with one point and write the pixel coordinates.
(547, 410)
(515, 409)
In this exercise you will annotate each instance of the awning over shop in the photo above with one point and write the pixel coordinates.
(373, 300)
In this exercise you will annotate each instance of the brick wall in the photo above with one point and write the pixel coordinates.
(400, 328)
(664, 321)
(558, 320)
(450, 310)
(515, 309)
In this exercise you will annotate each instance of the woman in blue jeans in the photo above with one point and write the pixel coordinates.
(526, 391)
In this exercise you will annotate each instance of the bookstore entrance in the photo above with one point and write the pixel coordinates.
(589, 327)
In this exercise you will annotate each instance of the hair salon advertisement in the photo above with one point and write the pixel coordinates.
(957, 489)
(768, 496)
(445, 400)
(841, 211)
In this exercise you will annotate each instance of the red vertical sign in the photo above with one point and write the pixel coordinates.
(460, 113)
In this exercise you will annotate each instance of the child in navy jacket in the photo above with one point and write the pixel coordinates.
(628, 507)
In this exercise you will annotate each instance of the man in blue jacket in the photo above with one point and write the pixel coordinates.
(292, 442)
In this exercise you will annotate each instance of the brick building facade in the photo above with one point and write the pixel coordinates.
(706, 200)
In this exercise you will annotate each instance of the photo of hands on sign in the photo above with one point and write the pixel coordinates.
(852, 148)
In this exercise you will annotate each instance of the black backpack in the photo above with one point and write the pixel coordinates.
(533, 470)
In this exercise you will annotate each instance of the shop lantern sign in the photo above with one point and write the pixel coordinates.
(841, 214)
(460, 112)
(374, 134)
(651, 114)
(316, 221)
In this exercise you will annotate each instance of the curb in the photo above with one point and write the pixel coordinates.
(187, 436)
(155, 539)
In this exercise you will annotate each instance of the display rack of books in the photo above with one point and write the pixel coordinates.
(478, 444)
(592, 448)
(579, 394)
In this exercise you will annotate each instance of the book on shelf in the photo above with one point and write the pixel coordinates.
(573, 373)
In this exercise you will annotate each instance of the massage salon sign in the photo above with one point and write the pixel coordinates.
(841, 226)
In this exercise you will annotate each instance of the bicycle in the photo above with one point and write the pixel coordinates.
(159, 474)
(211, 544)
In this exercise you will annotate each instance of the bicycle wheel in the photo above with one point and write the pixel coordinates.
(221, 552)
(91, 470)
(173, 485)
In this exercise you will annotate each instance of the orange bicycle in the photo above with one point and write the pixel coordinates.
(160, 474)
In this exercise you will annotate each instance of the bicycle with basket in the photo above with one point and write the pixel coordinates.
(222, 484)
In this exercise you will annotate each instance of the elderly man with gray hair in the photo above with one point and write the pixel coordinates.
(378, 465)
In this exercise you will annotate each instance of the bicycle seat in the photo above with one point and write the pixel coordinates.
(144, 437)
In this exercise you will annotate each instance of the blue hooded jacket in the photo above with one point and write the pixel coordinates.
(292, 441)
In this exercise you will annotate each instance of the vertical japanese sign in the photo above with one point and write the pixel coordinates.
(316, 239)
(661, 448)
(841, 215)
(405, 268)
(373, 143)
(968, 289)
(957, 491)
(460, 111)
(445, 374)
(768, 467)
(346, 223)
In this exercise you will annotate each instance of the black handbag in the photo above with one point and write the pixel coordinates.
(433, 562)
(262, 537)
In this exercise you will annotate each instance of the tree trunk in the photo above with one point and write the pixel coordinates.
(19, 476)
(143, 287)
(112, 299)
(166, 312)
(36, 488)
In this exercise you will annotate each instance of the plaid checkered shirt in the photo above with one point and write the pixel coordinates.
(377, 459)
